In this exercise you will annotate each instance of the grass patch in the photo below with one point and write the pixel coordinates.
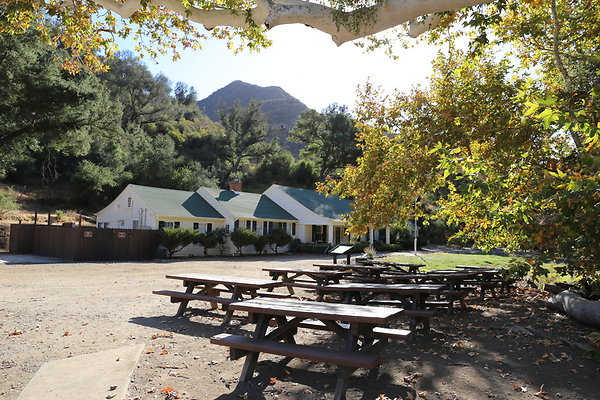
(441, 260)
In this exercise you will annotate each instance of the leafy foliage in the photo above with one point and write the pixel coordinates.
(329, 138)
(243, 237)
(278, 238)
(8, 202)
(175, 239)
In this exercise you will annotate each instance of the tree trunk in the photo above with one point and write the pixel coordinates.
(585, 311)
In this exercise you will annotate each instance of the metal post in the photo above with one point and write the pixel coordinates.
(416, 230)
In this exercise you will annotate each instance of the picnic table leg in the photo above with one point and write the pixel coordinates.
(235, 296)
(344, 372)
(252, 358)
(184, 303)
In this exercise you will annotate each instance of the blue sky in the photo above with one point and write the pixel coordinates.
(303, 61)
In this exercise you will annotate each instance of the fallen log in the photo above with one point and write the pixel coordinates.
(576, 307)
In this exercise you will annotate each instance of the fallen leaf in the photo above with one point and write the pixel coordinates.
(67, 333)
(15, 333)
(272, 381)
(113, 387)
(110, 396)
(423, 394)
(163, 352)
(149, 351)
(167, 390)
(151, 390)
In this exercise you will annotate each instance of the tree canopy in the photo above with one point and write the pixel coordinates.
(504, 141)
(90, 28)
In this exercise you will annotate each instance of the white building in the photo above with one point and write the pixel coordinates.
(304, 214)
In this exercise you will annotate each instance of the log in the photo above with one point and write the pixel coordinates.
(576, 307)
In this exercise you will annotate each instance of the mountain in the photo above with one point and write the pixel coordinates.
(281, 109)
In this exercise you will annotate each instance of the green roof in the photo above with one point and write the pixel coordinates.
(176, 203)
(249, 205)
(331, 207)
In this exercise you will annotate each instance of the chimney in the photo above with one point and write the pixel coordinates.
(235, 186)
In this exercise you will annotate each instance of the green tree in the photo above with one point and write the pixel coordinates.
(221, 234)
(329, 137)
(45, 110)
(243, 237)
(278, 238)
(208, 240)
(175, 239)
(260, 243)
(244, 139)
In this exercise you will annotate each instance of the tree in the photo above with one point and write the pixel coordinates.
(260, 243)
(278, 238)
(221, 234)
(169, 23)
(175, 239)
(208, 240)
(243, 237)
(44, 110)
(243, 139)
(329, 137)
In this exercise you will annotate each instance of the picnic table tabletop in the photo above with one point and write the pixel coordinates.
(353, 267)
(319, 310)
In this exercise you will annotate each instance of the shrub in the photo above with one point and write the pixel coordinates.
(278, 238)
(295, 244)
(260, 243)
(208, 240)
(8, 203)
(313, 248)
(370, 252)
(175, 239)
(221, 235)
(243, 237)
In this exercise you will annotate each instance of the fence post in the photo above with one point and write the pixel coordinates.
(35, 219)
(80, 220)
(49, 221)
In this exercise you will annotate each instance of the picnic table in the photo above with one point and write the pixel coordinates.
(453, 280)
(412, 297)
(359, 327)
(209, 288)
(402, 267)
(291, 277)
(359, 272)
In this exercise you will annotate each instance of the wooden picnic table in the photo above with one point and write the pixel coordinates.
(359, 327)
(209, 288)
(412, 297)
(359, 272)
(291, 277)
(454, 281)
(412, 267)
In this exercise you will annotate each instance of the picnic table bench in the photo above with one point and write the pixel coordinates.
(210, 287)
(359, 327)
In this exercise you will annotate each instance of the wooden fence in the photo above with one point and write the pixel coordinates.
(83, 243)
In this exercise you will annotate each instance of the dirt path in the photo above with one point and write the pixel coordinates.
(53, 311)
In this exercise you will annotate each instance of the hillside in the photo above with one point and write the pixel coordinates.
(281, 109)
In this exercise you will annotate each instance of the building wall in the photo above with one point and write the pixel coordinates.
(127, 211)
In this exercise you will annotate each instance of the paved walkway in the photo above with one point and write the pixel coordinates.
(7, 258)
(103, 375)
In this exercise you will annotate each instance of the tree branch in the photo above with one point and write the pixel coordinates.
(271, 13)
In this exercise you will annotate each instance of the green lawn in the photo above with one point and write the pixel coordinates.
(441, 260)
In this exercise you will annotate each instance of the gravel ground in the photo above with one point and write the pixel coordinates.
(53, 311)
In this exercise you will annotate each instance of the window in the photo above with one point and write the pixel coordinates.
(265, 227)
(209, 227)
(136, 224)
(196, 226)
(282, 225)
(121, 222)
(293, 228)
(227, 228)
(129, 202)
(270, 226)
(254, 226)
(248, 224)
(236, 224)
(167, 224)
(176, 224)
